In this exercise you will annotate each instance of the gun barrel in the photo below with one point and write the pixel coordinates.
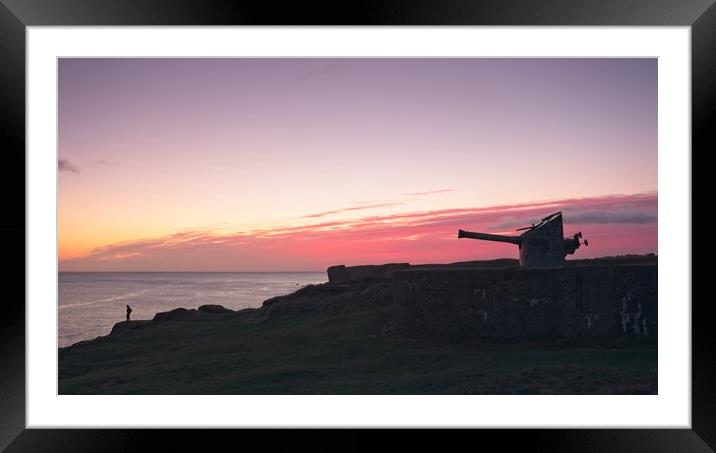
(489, 237)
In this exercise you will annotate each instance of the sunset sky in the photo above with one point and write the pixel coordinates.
(299, 164)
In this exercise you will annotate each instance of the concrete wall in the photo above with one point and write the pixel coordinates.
(575, 301)
(344, 274)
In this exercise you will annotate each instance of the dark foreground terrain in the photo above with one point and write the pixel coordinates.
(338, 339)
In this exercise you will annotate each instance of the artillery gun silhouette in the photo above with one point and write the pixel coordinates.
(541, 245)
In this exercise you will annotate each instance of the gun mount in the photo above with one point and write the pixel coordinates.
(541, 245)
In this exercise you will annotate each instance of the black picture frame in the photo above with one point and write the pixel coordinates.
(16, 15)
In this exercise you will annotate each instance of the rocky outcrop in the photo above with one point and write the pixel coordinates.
(183, 314)
(215, 309)
(127, 326)
(178, 314)
(205, 312)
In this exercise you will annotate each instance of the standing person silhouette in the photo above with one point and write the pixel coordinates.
(129, 311)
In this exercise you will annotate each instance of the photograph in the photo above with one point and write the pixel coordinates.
(343, 222)
(370, 226)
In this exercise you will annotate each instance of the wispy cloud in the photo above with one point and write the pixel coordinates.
(430, 192)
(66, 165)
(363, 205)
(353, 208)
(418, 237)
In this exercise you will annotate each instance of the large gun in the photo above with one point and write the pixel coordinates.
(542, 245)
(489, 237)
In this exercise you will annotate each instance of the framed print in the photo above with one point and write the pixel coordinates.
(408, 217)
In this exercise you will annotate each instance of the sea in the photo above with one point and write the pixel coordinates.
(90, 303)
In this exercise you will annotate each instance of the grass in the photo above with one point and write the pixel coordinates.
(335, 344)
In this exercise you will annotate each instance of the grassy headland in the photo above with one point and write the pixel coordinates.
(329, 339)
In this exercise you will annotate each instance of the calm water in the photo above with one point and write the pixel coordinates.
(90, 303)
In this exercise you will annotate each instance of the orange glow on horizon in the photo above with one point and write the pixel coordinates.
(616, 224)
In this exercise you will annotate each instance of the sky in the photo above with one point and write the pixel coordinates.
(298, 164)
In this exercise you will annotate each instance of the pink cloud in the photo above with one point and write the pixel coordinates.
(616, 224)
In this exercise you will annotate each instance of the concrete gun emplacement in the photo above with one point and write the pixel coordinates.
(541, 245)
